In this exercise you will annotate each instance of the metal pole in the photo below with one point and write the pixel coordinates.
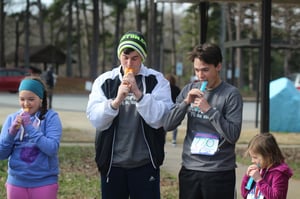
(203, 8)
(265, 69)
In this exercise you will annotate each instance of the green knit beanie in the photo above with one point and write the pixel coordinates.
(134, 40)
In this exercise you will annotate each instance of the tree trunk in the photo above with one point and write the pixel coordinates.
(2, 38)
(173, 59)
(137, 4)
(152, 61)
(251, 57)
(230, 38)
(288, 17)
(116, 39)
(69, 40)
(27, 33)
(236, 75)
(79, 61)
(223, 39)
(41, 21)
(161, 41)
(87, 33)
(103, 42)
(95, 42)
(17, 45)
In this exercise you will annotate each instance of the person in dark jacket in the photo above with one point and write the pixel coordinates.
(127, 106)
(175, 90)
(49, 79)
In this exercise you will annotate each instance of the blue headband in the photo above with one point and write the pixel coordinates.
(32, 85)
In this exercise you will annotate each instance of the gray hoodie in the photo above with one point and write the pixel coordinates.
(223, 120)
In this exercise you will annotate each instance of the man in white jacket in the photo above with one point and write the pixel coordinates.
(127, 105)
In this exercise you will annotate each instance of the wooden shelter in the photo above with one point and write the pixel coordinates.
(44, 54)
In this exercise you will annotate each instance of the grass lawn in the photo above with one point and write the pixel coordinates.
(79, 177)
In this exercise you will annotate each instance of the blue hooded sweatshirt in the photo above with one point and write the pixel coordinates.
(33, 159)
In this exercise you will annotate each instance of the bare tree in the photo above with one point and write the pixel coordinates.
(250, 53)
(137, 4)
(286, 16)
(230, 30)
(2, 28)
(119, 7)
(78, 31)
(152, 37)
(161, 42)
(87, 32)
(94, 52)
(41, 21)
(103, 33)
(69, 40)
(173, 59)
(17, 43)
(238, 61)
(27, 34)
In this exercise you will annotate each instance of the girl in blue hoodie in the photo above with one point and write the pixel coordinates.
(30, 140)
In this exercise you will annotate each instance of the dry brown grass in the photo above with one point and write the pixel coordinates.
(70, 85)
(77, 135)
(247, 134)
(76, 85)
(282, 138)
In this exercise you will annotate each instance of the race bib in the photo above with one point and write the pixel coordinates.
(255, 194)
(205, 144)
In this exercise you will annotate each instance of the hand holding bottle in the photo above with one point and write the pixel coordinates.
(15, 125)
(25, 118)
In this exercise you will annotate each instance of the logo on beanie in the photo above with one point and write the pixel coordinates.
(134, 40)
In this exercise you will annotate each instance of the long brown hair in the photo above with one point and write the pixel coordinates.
(266, 145)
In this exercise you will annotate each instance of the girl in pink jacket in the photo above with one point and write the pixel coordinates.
(268, 176)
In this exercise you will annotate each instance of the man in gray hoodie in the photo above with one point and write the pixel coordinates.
(214, 118)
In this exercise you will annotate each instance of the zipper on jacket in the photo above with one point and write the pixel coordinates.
(148, 147)
(111, 157)
(144, 92)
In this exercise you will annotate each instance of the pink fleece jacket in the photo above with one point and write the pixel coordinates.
(274, 184)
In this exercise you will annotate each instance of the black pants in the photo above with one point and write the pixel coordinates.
(50, 96)
(206, 185)
(138, 183)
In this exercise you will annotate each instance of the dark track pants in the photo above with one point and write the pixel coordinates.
(206, 185)
(138, 183)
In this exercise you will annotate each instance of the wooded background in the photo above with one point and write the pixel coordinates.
(88, 32)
